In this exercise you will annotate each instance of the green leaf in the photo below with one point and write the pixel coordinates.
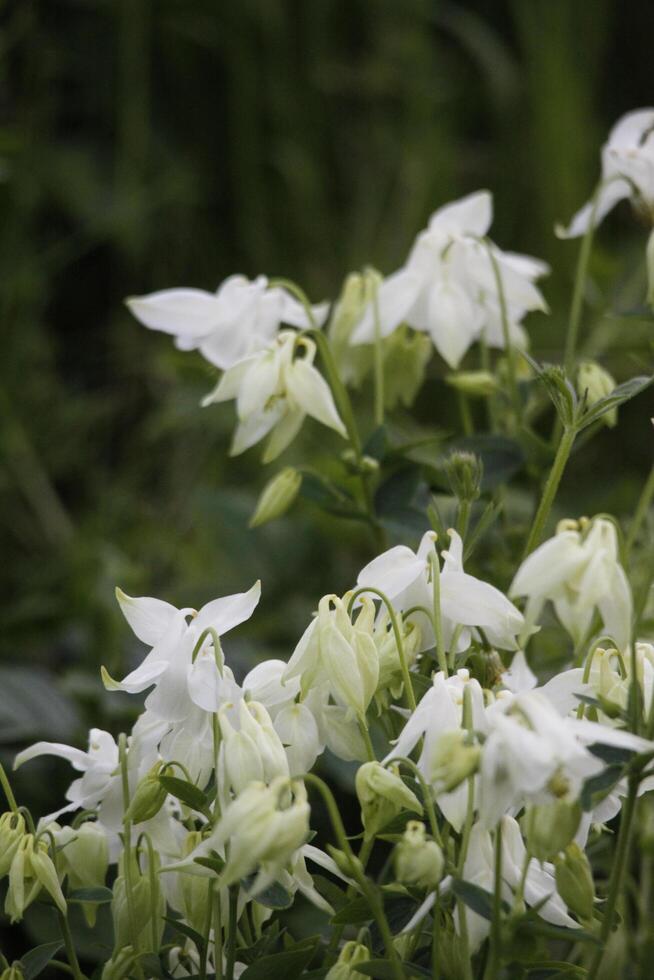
(213, 863)
(355, 913)
(476, 898)
(274, 897)
(94, 896)
(599, 786)
(151, 966)
(187, 931)
(611, 754)
(383, 970)
(37, 959)
(623, 393)
(538, 927)
(288, 965)
(185, 792)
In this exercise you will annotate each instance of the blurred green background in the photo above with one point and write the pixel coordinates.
(152, 144)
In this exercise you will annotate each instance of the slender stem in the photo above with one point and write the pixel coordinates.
(495, 955)
(551, 486)
(465, 413)
(467, 723)
(579, 288)
(217, 934)
(463, 518)
(127, 837)
(406, 677)
(435, 940)
(70, 946)
(619, 867)
(378, 352)
(231, 934)
(506, 335)
(11, 799)
(436, 610)
(204, 952)
(368, 890)
(365, 735)
(426, 794)
(642, 507)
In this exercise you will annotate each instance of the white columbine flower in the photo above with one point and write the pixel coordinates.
(448, 287)
(240, 318)
(579, 571)
(404, 577)
(627, 171)
(275, 389)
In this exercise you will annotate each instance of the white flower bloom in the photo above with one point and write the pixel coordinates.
(275, 390)
(627, 171)
(448, 287)
(539, 884)
(404, 577)
(241, 318)
(579, 571)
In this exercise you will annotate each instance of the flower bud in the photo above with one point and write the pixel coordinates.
(148, 798)
(31, 869)
(550, 827)
(193, 888)
(13, 972)
(85, 859)
(418, 861)
(478, 384)
(574, 882)
(344, 864)
(464, 471)
(406, 353)
(277, 496)
(350, 957)
(596, 383)
(454, 758)
(120, 965)
(382, 795)
(12, 830)
(390, 670)
(132, 916)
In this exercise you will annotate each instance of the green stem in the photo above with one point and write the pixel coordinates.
(463, 518)
(365, 735)
(506, 335)
(426, 794)
(11, 799)
(619, 867)
(378, 353)
(367, 889)
(436, 610)
(579, 288)
(642, 507)
(70, 946)
(495, 954)
(202, 972)
(551, 486)
(127, 837)
(231, 935)
(217, 934)
(406, 677)
(435, 941)
(465, 413)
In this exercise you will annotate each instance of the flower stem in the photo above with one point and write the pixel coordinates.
(368, 890)
(495, 954)
(127, 837)
(70, 946)
(551, 486)
(231, 935)
(11, 799)
(378, 354)
(619, 867)
(579, 288)
(426, 795)
(202, 971)
(365, 735)
(406, 677)
(642, 507)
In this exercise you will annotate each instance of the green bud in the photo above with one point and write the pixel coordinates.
(31, 869)
(12, 830)
(343, 862)
(405, 353)
(477, 384)
(418, 861)
(85, 859)
(350, 957)
(193, 888)
(120, 965)
(464, 471)
(454, 758)
(382, 795)
(149, 797)
(550, 827)
(353, 363)
(596, 383)
(277, 496)
(132, 918)
(574, 882)
(13, 972)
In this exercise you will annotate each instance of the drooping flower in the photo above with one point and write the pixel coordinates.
(448, 286)
(275, 389)
(240, 318)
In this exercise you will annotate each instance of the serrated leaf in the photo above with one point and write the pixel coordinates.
(38, 958)
(94, 896)
(623, 393)
(185, 792)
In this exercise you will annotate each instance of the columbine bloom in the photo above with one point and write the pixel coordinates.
(627, 172)
(448, 287)
(242, 317)
(275, 390)
(404, 577)
(579, 571)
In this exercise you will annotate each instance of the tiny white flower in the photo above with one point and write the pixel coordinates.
(275, 389)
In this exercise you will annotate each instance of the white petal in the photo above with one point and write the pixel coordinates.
(284, 433)
(469, 215)
(393, 571)
(190, 314)
(149, 618)
(256, 427)
(230, 611)
(309, 391)
(78, 759)
(610, 193)
(629, 130)
(395, 297)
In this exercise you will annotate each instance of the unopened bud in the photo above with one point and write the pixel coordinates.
(382, 795)
(149, 797)
(120, 965)
(193, 888)
(13, 972)
(464, 471)
(478, 384)
(344, 863)
(277, 496)
(574, 882)
(12, 830)
(85, 857)
(350, 957)
(418, 861)
(455, 757)
(132, 917)
(596, 383)
(550, 827)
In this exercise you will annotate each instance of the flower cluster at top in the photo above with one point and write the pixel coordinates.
(483, 782)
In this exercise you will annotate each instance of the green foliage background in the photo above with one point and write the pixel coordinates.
(152, 143)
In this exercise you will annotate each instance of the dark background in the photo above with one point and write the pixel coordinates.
(153, 144)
